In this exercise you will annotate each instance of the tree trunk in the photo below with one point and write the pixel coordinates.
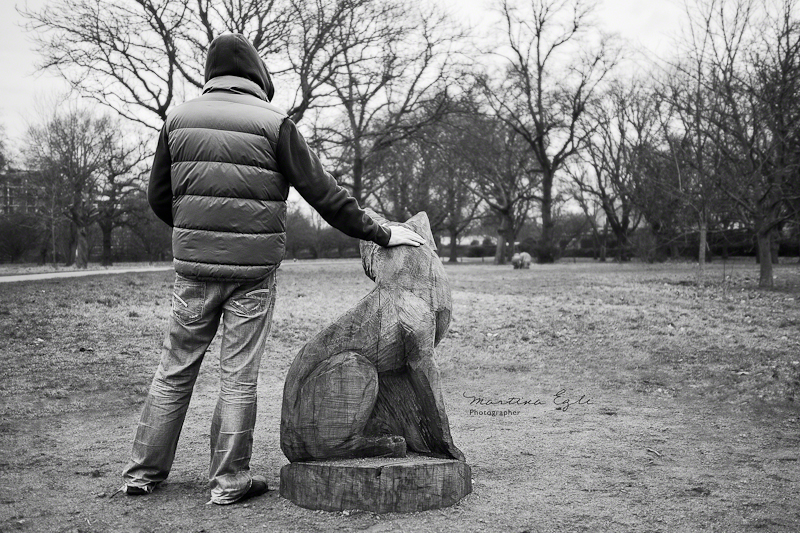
(453, 247)
(774, 248)
(701, 250)
(82, 248)
(603, 244)
(545, 251)
(622, 246)
(764, 239)
(500, 251)
(504, 234)
(358, 180)
(106, 228)
(72, 248)
(53, 239)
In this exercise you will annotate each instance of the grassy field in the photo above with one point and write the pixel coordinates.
(682, 416)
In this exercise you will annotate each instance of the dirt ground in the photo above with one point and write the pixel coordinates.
(682, 394)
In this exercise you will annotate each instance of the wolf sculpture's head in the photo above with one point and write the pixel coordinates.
(414, 268)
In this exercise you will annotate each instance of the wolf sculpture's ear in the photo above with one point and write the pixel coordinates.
(422, 225)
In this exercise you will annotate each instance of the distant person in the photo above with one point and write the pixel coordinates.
(221, 175)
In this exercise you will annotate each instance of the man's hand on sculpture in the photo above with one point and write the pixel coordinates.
(402, 235)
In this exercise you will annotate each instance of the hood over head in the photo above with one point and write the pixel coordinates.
(233, 55)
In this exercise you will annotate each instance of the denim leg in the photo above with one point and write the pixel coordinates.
(247, 318)
(192, 325)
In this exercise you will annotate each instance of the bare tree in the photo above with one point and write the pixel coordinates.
(506, 176)
(83, 170)
(593, 213)
(686, 101)
(65, 150)
(123, 54)
(616, 127)
(413, 173)
(387, 85)
(753, 69)
(140, 57)
(429, 172)
(120, 177)
(554, 62)
(777, 76)
(462, 207)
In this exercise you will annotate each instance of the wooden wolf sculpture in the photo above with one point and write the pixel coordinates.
(368, 385)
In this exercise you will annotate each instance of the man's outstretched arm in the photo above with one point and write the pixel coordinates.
(303, 169)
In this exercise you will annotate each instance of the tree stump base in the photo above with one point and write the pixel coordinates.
(377, 484)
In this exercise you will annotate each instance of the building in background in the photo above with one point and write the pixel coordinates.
(18, 192)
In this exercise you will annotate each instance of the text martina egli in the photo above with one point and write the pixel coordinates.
(561, 400)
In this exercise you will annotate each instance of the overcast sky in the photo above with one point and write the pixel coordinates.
(651, 26)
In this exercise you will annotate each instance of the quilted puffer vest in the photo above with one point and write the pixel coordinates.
(229, 200)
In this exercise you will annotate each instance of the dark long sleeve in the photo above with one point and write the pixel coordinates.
(159, 191)
(305, 173)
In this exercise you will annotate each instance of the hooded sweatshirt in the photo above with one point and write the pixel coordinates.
(222, 170)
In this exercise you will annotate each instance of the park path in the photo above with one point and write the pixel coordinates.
(124, 270)
(80, 273)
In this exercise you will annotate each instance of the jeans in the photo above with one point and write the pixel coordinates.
(245, 310)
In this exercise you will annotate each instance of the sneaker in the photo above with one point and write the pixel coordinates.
(132, 490)
(258, 486)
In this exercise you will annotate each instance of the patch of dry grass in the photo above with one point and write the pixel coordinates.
(632, 326)
(77, 344)
(691, 422)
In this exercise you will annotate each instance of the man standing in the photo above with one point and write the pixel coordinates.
(221, 175)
